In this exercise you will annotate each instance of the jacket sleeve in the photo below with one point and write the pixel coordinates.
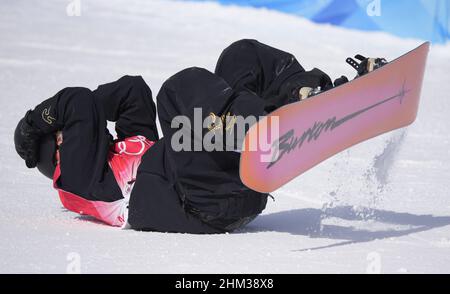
(128, 102)
(84, 169)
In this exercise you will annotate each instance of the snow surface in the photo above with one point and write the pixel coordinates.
(382, 206)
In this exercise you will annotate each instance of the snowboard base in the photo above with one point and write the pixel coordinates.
(303, 134)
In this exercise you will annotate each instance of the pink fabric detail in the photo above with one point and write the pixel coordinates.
(124, 159)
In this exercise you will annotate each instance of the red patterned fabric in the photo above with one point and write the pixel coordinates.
(124, 158)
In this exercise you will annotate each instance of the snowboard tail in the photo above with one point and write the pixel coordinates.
(306, 133)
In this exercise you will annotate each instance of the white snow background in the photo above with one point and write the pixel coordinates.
(382, 206)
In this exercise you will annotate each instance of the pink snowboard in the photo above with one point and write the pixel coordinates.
(313, 130)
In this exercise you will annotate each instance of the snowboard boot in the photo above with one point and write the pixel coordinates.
(308, 92)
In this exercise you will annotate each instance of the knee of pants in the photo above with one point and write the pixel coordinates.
(192, 87)
(243, 44)
(240, 47)
(137, 85)
(133, 81)
(237, 57)
(172, 92)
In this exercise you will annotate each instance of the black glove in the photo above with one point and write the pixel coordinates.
(26, 139)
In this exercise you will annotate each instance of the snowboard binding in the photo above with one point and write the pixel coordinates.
(365, 65)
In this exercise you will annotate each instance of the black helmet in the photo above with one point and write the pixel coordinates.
(47, 150)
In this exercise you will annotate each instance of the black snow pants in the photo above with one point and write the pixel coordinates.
(200, 191)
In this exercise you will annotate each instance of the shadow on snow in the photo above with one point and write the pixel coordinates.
(309, 222)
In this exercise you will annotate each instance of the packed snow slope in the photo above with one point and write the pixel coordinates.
(382, 206)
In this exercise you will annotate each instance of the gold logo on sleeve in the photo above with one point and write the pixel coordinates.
(47, 117)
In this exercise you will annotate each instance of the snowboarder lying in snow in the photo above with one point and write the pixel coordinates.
(138, 180)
